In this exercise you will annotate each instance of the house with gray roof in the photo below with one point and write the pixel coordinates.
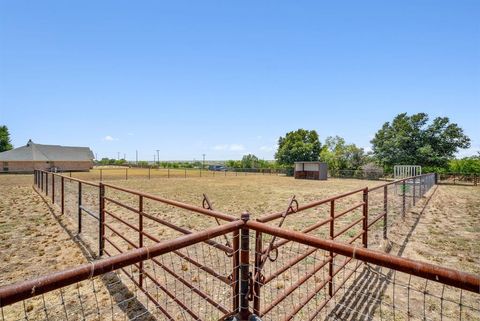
(46, 157)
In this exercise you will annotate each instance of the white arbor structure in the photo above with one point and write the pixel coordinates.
(404, 171)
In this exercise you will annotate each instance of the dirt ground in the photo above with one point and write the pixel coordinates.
(447, 232)
(32, 239)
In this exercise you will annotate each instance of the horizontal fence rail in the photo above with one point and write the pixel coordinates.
(458, 178)
(126, 173)
(158, 265)
(401, 274)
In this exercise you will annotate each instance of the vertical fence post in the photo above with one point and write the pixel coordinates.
(53, 188)
(404, 190)
(365, 218)
(257, 272)
(414, 190)
(200, 172)
(140, 237)
(126, 174)
(46, 183)
(422, 185)
(185, 173)
(101, 174)
(101, 220)
(41, 180)
(235, 269)
(332, 233)
(244, 267)
(168, 172)
(385, 211)
(62, 190)
(149, 173)
(79, 207)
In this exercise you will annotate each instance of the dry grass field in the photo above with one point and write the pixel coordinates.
(36, 239)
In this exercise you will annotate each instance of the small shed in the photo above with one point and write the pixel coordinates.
(311, 170)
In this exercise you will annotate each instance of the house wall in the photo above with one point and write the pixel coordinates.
(28, 167)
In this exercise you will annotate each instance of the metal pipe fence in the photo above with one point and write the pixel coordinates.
(371, 174)
(458, 178)
(126, 173)
(157, 266)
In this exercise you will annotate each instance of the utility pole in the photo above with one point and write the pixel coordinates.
(118, 155)
(158, 158)
(136, 157)
(203, 165)
(124, 156)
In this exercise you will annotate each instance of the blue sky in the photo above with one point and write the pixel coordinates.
(228, 78)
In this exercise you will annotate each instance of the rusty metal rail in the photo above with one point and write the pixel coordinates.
(23, 290)
(243, 290)
(462, 280)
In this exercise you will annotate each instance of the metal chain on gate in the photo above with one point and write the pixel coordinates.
(206, 204)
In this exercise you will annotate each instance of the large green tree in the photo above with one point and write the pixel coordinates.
(299, 145)
(412, 140)
(5, 143)
(250, 161)
(340, 155)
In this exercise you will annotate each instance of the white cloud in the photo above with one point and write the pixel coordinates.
(229, 147)
(109, 138)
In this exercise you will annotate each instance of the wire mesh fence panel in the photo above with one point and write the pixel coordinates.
(198, 279)
(379, 293)
(459, 178)
(180, 279)
(107, 297)
(167, 293)
(308, 283)
(389, 203)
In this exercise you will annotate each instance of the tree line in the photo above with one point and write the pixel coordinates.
(406, 140)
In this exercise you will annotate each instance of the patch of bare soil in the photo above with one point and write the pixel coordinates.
(446, 232)
(32, 240)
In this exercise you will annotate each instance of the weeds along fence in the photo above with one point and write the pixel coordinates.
(104, 174)
(357, 174)
(458, 178)
(169, 260)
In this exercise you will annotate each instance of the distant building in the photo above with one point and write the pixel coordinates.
(47, 157)
(311, 170)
